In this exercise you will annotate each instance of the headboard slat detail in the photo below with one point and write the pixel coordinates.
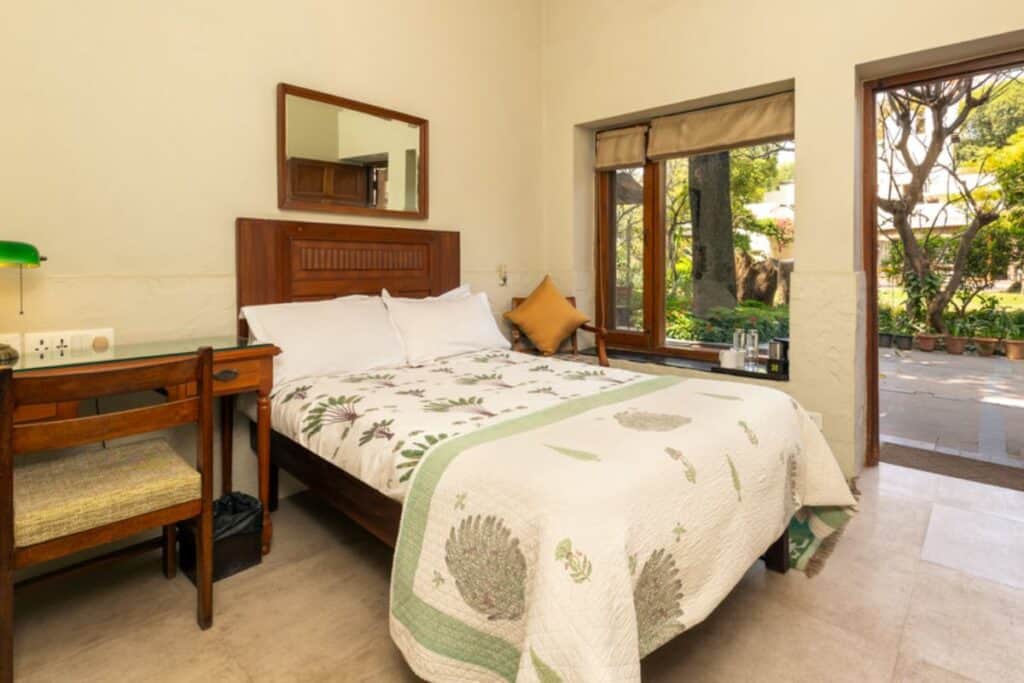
(281, 261)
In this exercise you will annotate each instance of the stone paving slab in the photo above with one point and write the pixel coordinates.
(960, 405)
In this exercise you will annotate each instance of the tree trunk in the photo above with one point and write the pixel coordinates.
(714, 266)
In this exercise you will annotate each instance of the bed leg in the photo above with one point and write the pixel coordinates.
(776, 558)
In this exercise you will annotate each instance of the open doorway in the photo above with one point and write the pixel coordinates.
(944, 260)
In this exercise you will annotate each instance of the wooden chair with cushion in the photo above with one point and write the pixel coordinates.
(57, 503)
(520, 342)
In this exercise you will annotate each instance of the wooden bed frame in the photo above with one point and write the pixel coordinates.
(282, 261)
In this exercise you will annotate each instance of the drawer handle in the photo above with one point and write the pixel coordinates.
(225, 375)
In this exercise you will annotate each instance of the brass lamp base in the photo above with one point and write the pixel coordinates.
(8, 354)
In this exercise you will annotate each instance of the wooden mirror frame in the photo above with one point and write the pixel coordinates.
(285, 199)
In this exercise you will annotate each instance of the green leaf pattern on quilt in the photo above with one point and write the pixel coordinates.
(415, 453)
(751, 436)
(643, 421)
(335, 409)
(576, 563)
(488, 567)
(545, 674)
(656, 597)
(583, 456)
(735, 479)
(688, 469)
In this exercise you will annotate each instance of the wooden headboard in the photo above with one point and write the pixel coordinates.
(281, 261)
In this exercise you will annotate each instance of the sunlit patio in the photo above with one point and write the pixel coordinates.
(963, 406)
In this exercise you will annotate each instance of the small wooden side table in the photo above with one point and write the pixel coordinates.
(238, 367)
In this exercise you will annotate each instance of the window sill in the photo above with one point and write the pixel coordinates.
(684, 363)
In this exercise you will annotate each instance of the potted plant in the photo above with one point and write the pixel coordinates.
(987, 334)
(926, 339)
(1012, 329)
(959, 334)
(885, 327)
(903, 330)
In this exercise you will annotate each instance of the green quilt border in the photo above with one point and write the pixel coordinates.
(432, 628)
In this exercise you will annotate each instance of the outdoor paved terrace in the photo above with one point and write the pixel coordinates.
(960, 405)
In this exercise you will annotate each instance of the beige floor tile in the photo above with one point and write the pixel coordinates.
(316, 610)
(911, 670)
(966, 625)
(972, 495)
(756, 636)
(976, 543)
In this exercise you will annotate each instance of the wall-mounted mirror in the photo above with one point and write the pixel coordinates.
(339, 155)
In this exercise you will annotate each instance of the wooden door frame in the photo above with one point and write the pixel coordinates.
(869, 227)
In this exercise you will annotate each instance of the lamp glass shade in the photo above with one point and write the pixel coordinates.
(19, 254)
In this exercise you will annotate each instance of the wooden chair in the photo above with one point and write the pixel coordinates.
(521, 343)
(55, 504)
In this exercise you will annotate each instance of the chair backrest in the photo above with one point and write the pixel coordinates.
(83, 383)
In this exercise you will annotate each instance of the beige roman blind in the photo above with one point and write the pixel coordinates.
(621, 148)
(766, 119)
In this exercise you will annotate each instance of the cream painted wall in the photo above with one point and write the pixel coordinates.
(604, 59)
(134, 133)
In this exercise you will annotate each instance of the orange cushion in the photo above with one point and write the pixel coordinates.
(546, 317)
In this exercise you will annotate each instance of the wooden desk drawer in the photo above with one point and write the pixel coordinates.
(233, 376)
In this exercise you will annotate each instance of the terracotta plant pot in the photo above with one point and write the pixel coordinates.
(955, 345)
(1014, 349)
(885, 339)
(927, 342)
(902, 342)
(986, 345)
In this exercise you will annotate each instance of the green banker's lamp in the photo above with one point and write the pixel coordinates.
(22, 255)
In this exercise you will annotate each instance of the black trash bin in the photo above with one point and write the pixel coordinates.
(237, 537)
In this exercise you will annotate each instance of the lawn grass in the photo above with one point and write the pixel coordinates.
(895, 297)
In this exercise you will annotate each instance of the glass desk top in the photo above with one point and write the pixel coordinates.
(125, 352)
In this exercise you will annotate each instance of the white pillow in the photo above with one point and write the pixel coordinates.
(326, 337)
(445, 327)
(460, 292)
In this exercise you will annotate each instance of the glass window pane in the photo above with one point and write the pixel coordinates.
(729, 220)
(628, 250)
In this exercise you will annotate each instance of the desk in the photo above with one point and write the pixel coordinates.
(238, 367)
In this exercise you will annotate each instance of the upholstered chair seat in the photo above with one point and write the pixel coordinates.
(60, 494)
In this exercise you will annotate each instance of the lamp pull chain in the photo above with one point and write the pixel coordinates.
(21, 289)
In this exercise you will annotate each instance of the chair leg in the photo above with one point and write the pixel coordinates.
(204, 567)
(6, 625)
(170, 550)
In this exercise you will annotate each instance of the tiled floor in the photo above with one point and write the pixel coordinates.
(925, 586)
(959, 405)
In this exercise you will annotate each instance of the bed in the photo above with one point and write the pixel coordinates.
(552, 520)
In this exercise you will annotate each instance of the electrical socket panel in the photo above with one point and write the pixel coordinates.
(68, 344)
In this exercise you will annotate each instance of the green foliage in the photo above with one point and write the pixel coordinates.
(719, 325)
(991, 126)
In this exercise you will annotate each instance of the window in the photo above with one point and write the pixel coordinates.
(694, 245)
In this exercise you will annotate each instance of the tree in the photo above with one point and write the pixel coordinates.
(714, 265)
(992, 126)
(910, 151)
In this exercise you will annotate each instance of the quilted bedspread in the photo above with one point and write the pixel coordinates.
(565, 543)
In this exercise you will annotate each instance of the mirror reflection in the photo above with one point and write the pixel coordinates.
(342, 157)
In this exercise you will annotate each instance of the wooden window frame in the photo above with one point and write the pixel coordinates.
(651, 340)
(869, 226)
